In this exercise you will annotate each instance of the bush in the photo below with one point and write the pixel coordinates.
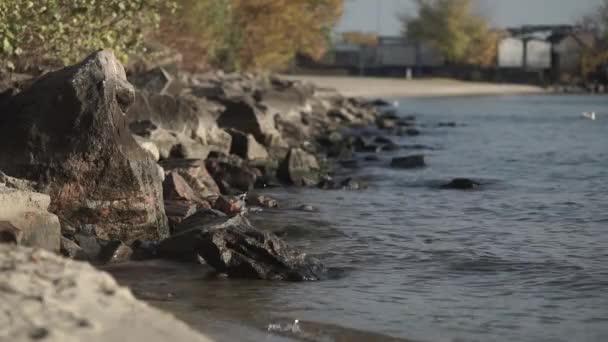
(52, 32)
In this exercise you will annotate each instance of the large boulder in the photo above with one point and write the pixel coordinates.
(232, 175)
(299, 168)
(49, 298)
(68, 132)
(234, 247)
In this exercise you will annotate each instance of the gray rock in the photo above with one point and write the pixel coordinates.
(115, 252)
(236, 248)
(194, 173)
(461, 184)
(72, 250)
(246, 147)
(409, 162)
(299, 168)
(68, 132)
(54, 299)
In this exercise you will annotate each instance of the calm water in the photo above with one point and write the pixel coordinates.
(523, 259)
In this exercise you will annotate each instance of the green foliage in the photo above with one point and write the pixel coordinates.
(452, 28)
(63, 31)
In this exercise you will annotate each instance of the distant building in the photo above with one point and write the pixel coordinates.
(568, 50)
(511, 53)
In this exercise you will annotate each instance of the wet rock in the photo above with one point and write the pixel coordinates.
(349, 183)
(447, 124)
(408, 131)
(461, 184)
(349, 164)
(194, 173)
(246, 147)
(409, 162)
(89, 245)
(299, 168)
(383, 141)
(229, 205)
(72, 250)
(115, 252)
(308, 208)
(380, 103)
(24, 218)
(387, 120)
(200, 218)
(372, 157)
(47, 297)
(144, 250)
(262, 201)
(67, 131)
(236, 248)
(390, 147)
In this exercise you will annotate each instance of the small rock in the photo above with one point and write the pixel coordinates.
(89, 246)
(461, 184)
(409, 162)
(308, 208)
(176, 188)
(383, 141)
(372, 157)
(70, 249)
(299, 168)
(177, 211)
(200, 218)
(228, 205)
(262, 201)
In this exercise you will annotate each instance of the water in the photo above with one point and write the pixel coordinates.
(523, 259)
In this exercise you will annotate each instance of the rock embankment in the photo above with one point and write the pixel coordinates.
(44, 297)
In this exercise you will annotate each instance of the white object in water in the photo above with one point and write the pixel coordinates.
(396, 104)
(589, 115)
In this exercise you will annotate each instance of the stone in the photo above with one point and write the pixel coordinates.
(308, 208)
(461, 184)
(54, 299)
(409, 162)
(156, 81)
(177, 211)
(72, 250)
(115, 252)
(299, 168)
(89, 245)
(232, 176)
(408, 131)
(176, 188)
(234, 247)
(194, 173)
(24, 218)
(68, 132)
(199, 218)
(229, 205)
(246, 147)
(148, 146)
(262, 201)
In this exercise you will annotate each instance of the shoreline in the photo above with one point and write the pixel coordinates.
(374, 87)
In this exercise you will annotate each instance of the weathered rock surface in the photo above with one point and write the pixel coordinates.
(409, 162)
(246, 147)
(299, 168)
(50, 298)
(234, 247)
(195, 173)
(68, 132)
(232, 175)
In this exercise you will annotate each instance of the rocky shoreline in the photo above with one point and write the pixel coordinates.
(106, 168)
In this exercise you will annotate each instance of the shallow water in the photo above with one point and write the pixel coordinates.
(525, 258)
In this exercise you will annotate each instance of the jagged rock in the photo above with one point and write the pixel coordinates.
(195, 173)
(176, 188)
(232, 175)
(89, 245)
(201, 217)
(72, 250)
(461, 184)
(229, 205)
(299, 168)
(67, 131)
(149, 146)
(409, 162)
(236, 248)
(54, 299)
(177, 211)
(24, 218)
(246, 147)
(115, 252)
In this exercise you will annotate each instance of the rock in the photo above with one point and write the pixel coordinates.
(200, 218)
(177, 211)
(383, 141)
(89, 245)
(176, 188)
(46, 297)
(70, 249)
(406, 131)
(115, 252)
(262, 201)
(308, 208)
(195, 174)
(246, 147)
(387, 121)
(68, 132)
(299, 168)
(16, 183)
(380, 103)
(232, 175)
(447, 124)
(409, 162)
(144, 250)
(239, 250)
(461, 184)
(390, 147)
(372, 157)
(24, 218)
(228, 205)
(156, 81)
(148, 146)
(346, 184)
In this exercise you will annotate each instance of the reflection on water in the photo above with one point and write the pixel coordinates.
(524, 259)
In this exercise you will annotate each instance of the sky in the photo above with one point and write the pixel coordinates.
(381, 15)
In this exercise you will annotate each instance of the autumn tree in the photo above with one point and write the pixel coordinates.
(451, 27)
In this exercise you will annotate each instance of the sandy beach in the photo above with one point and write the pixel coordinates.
(372, 87)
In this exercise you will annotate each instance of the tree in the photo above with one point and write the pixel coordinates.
(451, 27)
(61, 31)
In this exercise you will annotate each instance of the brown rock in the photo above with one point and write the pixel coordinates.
(194, 173)
(228, 205)
(176, 188)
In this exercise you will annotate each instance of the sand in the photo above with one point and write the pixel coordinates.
(371, 87)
